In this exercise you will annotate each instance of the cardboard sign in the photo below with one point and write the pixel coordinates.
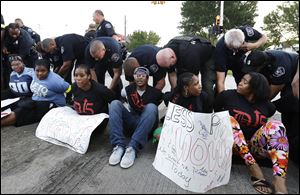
(195, 149)
(65, 127)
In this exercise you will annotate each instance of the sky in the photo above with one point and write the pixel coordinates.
(51, 19)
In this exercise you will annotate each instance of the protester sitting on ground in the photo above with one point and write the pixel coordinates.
(188, 94)
(20, 79)
(89, 96)
(138, 122)
(254, 135)
(48, 92)
(280, 68)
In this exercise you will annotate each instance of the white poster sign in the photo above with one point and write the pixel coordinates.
(7, 102)
(195, 149)
(65, 127)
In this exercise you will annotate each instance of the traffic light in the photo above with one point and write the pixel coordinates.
(218, 20)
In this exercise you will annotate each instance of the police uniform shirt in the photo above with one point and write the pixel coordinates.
(93, 101)
(105, 29)
(283, 67)
(36, 37)
(54, 59)
(22, 45)
(19, 84)
(192, 53)
(226, 59)
(251, 116)
(72, 46)
(112, 57)
(137, 102)
(192, 103)
(146, 57)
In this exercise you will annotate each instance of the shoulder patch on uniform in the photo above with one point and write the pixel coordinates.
(249, 31)
(115, 57)
(279, 72)
(30, 30)
(62, 49)
(153, 68)
(108, 25)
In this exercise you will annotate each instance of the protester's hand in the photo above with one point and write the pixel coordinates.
(4, 50)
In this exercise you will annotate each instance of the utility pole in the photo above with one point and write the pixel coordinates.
(125, 26)
(221, 13)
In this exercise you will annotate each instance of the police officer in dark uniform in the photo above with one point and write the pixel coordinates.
(18, 41)
(190, 54)
(280, 67)
(71, 48)
(104, 28)
(230, 50)
(35, 36)
(145, 55)
(104, 54)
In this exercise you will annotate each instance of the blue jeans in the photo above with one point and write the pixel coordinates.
(140, 126)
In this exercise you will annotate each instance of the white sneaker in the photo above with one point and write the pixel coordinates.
(116, 156)
(128, 158)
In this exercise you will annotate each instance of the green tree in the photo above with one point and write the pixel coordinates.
(140, 38)
(282, 24)
(198, 17)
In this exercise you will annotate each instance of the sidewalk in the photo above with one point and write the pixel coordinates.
(30, 165)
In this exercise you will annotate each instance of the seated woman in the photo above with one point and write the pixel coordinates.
(254, 135)
(48, 90)
(89, 96)
(20, 79)
(188, 94)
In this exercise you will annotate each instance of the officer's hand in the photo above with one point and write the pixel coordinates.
(248, 46)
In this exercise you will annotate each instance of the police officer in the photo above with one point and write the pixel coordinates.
(104, 28)
(104, 54)
(280, 68)
(70, 47)
(189, 54)
(90, 33)
(145, 55)
(34, 35)
(18, 41)
(230, 50)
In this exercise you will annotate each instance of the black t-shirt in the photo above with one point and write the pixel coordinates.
(192, 103)
(137, 102)
(71, 47)
(105, 29)
(146, 56)
(251, 116)
(191, 52)
(112, 57)
(226, 59)
(93, 101)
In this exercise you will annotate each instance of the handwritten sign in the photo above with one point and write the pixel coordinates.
(65, 127)
(195, 149)
(7, 102)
